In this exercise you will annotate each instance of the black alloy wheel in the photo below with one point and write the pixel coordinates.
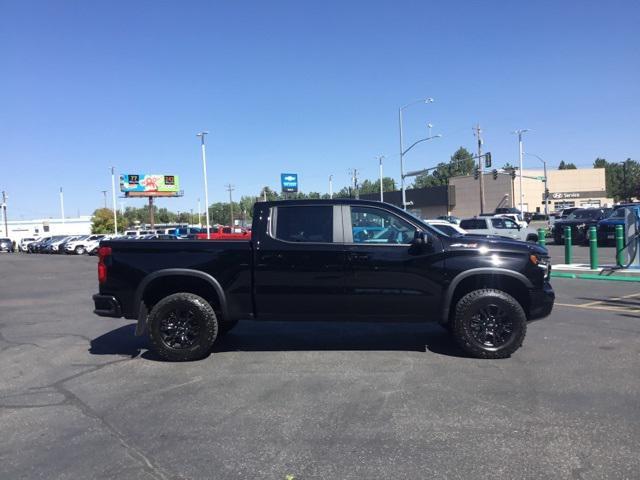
(180, 329)
(490, 326)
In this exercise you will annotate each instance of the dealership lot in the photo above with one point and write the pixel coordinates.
(80, 396)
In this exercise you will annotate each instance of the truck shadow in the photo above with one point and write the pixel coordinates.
(273, 336)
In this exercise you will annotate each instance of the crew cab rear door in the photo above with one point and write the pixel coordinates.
(300, 263)
(389, 277)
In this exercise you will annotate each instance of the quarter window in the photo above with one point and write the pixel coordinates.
(304, 224)
(372, 225)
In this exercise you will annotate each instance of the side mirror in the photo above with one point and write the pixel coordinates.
(519, 226)
(419, 238)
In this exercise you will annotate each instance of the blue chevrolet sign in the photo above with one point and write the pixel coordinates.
(289, 182)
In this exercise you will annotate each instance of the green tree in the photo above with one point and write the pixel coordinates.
(566, 166)
(102, 221)
(461, 163)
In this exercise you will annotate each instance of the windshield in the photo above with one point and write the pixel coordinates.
(585, 214)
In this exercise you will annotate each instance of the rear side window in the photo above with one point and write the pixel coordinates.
(304, 224)
(473, 224)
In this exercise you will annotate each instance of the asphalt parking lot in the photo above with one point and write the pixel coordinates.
(80, 397)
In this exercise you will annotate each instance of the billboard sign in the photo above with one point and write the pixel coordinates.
(149, 185)
(289, 182)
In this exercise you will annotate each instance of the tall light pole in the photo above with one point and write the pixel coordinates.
(546, 180)
(380, 158)
(230, 189)
(206, 187)
(113, 199)
(402, 151)
(4, 210)
(520, 132)
(330, 186)
(62, 205)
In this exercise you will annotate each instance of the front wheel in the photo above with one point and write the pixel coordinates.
(79, 250)
(489, 323)
(182, 327)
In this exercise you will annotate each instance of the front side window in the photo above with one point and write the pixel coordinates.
(498, 223)
(510, 224)
(310, 224)
(373, 225)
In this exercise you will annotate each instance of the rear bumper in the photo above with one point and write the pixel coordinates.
(541, 302)
(106, 306)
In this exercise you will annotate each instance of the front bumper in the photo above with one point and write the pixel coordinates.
(541, 302)
(106, 306)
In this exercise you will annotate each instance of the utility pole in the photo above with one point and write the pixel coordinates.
(478, 133)
(199, 216)
(380, 158)
(113, 199)
(624, 182)
(330, 186)
(206, 187)
(104, 193)
(152, 221)
(354, 182)
(62, 205)
(230, 189)
(4, 209)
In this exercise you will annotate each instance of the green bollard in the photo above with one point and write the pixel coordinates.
(567, 245)
(619, 245)
(593, 248)
(541, 240)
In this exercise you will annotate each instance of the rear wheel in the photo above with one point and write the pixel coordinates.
(182, 327)
(489, 323)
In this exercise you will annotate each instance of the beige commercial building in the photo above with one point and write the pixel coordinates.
(567, 188)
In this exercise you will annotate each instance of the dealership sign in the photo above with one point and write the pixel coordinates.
(289, 182)
(149, 185)
(572, 195)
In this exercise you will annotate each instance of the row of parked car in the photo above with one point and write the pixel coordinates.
(88, 244)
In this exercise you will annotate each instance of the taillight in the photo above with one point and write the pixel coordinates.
(103, 253)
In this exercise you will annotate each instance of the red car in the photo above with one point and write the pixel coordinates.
(225, 233)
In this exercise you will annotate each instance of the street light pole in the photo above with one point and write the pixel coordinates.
(330, 186)
(520, 154)
(546, 179)
(62, 205)
(402, 151)
(380, 158)
(4, 210)
(199, 216)
(113, 197)
(104, 193)
(204, 172)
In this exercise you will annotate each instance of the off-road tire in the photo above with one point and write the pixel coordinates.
(206, 320)
(470, 304)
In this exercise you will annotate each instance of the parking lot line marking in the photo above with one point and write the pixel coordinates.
(611, 308)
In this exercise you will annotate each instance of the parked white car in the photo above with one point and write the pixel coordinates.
(79, 246)
(24, 243)
(500, 226)
(448, 228)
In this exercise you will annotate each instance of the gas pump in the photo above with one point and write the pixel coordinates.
(632, 237)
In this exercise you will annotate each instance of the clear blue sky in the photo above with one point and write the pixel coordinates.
(301, 86)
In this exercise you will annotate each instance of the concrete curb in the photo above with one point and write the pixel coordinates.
(582, 273)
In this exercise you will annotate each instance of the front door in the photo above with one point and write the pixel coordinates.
(389, 277)
(300, 264)
(505, 227)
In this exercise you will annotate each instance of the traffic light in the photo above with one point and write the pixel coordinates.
(487, 160)
(476, 173)
(495, 174)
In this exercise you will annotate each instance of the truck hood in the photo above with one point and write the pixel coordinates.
(611, 221)
(576, 221)
(493, 243)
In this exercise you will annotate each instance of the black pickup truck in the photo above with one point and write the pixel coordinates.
(327, 260)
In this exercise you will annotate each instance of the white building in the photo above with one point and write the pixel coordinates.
(18, 229)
